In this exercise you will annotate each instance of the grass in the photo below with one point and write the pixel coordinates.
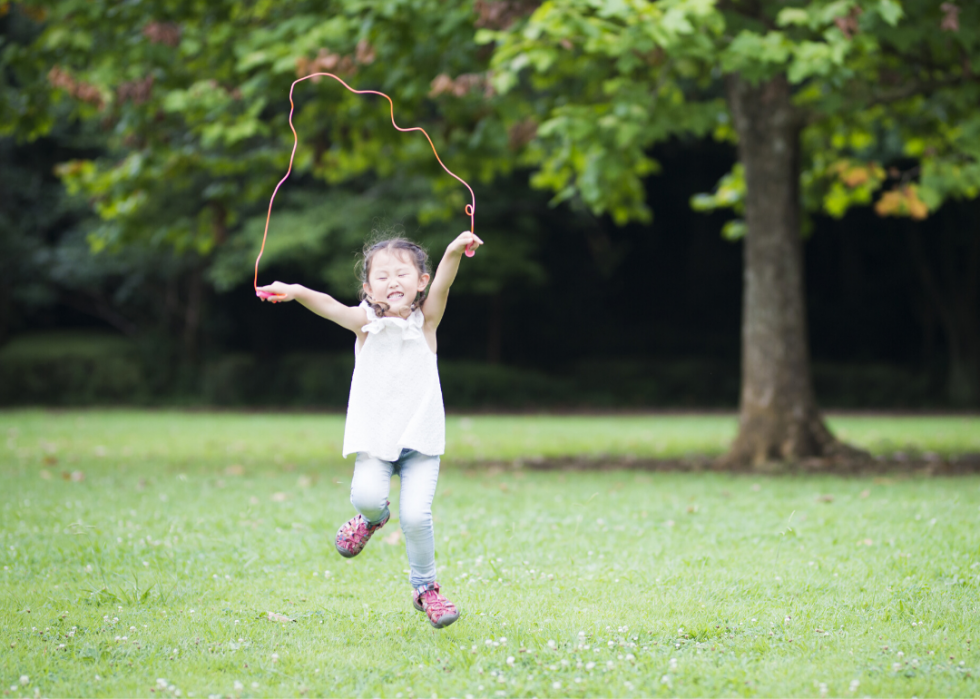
(143, 550)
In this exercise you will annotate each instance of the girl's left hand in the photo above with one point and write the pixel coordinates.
(464, 241)
(279, 292)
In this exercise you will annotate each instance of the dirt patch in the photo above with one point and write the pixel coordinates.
(895, 465)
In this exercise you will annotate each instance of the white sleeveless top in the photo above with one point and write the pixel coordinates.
(395, 397)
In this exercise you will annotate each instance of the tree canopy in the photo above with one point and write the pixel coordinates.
(191, 99)
(886, 92)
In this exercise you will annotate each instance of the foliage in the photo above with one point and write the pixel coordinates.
(154, 563)
(197, 135)
(881, 85)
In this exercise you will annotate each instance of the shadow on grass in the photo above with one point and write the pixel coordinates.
(925, 465)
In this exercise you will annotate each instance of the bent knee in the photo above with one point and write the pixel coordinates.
(370, 505)
(415, 520)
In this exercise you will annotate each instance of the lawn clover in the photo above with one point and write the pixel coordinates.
(25, 680)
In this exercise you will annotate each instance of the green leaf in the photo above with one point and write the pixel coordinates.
(790, 16)
(734, 230)
(891, 11)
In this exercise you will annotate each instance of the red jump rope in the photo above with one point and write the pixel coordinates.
(470, 208)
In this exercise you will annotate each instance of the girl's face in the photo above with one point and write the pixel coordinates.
(394, 280)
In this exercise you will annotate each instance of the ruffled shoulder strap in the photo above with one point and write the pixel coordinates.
(410, 327)
(371, 315)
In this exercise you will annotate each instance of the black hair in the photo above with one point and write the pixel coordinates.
(396, 246)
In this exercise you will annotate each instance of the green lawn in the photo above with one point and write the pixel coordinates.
(143, 550)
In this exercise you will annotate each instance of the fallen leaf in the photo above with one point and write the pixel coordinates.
(45, 474)
(825, 498)
(394, 538)
(272, 616)
(280, 497)
(864, 494)
(235, 470)
(77, 476)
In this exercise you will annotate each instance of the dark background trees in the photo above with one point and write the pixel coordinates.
(178, 144)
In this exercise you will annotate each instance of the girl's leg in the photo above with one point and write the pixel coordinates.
(370, 486)
(419, 475)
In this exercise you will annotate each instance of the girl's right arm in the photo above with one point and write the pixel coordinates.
(324, 305)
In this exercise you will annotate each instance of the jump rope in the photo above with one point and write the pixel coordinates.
(470, 208)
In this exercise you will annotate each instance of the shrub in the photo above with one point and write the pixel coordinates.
(312, 379)
(232, 379)
(70, 368)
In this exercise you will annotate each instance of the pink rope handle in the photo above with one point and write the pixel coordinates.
(470, 208)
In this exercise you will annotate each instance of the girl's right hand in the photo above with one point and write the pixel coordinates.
(465, 241)
(280, 292)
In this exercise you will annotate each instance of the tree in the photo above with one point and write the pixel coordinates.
(800, 87)
(196, 134)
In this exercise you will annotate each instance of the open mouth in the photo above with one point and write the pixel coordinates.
(395, 295)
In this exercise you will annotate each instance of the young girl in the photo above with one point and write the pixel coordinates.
(395, 418)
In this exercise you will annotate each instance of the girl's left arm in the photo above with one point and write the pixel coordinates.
(434, 306)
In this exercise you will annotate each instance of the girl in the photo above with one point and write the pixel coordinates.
(395, 417)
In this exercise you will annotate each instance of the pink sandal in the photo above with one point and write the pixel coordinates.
(354, 535)
(441, 612)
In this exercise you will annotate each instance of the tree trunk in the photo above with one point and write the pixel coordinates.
(5, 306)
(495, 328)
(778, 416)
(192, 314)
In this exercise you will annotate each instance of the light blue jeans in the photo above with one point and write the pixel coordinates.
(419, 474)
